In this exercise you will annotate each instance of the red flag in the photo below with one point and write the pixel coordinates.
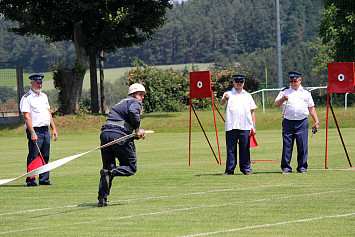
(253, 142)
(36, 163)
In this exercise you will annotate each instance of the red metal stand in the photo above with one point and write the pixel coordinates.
(219, 152)
(341, 79)
(200, 87)
(329, 104)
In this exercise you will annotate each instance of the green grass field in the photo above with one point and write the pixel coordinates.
(167, 197)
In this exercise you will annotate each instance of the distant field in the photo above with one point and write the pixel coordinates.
(5, 77)
(111, 74)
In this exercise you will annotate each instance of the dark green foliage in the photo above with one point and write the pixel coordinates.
(338, 27)
(222, 81)
(32, 52)
(166, 90)
(93, 26)
(169, 90)
(57, 75)
(106, 25)
(6, 94)
(216, 31)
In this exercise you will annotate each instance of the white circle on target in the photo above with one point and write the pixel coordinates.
(341, 77)
(199, 84)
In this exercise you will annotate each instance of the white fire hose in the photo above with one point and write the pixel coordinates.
(60, 162)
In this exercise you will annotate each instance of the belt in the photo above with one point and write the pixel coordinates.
(121, 124)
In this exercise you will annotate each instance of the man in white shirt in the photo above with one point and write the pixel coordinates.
(240, 120)
(297, 104)
(37, 115)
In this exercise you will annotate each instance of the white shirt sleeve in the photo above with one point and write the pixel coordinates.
(25, 105)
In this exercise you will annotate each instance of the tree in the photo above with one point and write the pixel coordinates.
(338, 26)
(92, 25)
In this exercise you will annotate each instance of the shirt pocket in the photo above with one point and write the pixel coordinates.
(37, 107)
(233, 104)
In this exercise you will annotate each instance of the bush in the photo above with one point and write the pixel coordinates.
(221, 80)
(169, 91)
(166, 90)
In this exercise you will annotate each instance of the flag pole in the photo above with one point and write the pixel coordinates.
(39, 150)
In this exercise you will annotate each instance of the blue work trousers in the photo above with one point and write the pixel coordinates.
(232, 138)
(295, 130)
(44, 139)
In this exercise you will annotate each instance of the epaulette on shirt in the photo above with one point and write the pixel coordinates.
(27, 94)
(305, 88)
(285, 88)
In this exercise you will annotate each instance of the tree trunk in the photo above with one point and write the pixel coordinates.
(93, 85)
(102, 83)
(72, 80)
(70, 91)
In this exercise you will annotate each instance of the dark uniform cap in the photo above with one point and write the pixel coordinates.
(294, 74)
(239, 77)
(37, 77)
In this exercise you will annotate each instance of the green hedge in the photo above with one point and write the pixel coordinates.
(168, 91)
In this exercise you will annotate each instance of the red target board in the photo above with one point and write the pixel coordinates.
(200, 87)
(200, 84)
(341, 77)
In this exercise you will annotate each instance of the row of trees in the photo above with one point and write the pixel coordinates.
(93, 26)
(221, 31)
(215, 31)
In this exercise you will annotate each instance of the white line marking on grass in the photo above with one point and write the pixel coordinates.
(43, 209)
(146, 198)
(177, 210)
(205, 192)
(274, 224)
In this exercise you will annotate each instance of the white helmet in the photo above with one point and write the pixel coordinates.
(136, 87)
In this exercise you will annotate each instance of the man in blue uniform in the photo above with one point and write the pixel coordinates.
(37, 115)
(297, 104)
(123, 119)
(240, 120)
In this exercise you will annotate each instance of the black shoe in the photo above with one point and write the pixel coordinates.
(32, 185)
(105, 175)
(102, 202)
(46, 183)
(248, 173)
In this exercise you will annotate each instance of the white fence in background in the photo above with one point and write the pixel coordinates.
(278, 89)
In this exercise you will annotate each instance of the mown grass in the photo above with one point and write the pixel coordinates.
(178, 122)
(166, 197)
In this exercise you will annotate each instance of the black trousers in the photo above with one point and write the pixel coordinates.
(295, 130)
(124, 152)
(232, 138)
(44, 139)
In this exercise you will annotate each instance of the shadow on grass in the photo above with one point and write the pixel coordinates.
(254, 173)
(13, 186)
(11, 126)
(110, 204)
(268, 172)
(164, 115)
